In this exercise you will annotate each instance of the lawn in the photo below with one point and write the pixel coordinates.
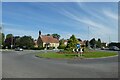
(92, 54)
(97, 54)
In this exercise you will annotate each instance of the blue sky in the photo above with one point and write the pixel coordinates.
(64, 18)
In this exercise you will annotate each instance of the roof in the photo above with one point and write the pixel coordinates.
(49, 39)
(79, 39)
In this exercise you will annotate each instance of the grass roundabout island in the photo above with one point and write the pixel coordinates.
(71, 55)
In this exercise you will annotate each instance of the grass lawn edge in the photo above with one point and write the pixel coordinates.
(44, 55)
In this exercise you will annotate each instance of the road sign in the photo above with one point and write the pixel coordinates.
(78, 45)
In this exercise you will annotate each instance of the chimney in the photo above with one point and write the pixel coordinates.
(39, 33)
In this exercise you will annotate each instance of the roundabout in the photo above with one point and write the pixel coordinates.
(25, 65)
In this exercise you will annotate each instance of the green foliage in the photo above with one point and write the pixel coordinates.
(2, 38)
(50, 48)
(114, 44)
(97, 54)
(55, 55)
(98, 43)
(87, 42)
(48, 34)
(57, 36)
(72, 42)
(62, 45)
(39, 48)
(26, 42)
(103, 45)
(16, 41)
(9, 40)
(92, 42)
(94, 54)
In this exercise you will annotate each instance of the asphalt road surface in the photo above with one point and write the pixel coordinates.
(24, 64)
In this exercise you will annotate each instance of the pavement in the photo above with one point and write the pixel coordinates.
(24, 64)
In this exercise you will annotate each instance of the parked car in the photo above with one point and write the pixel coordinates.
(103, 48)
(115, 48)
(18, 49)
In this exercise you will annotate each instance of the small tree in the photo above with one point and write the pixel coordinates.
(62, 45)
(87, 43)
(72, 42)
(2, 38)
(57, 36)
(92, 43)
(98, 43)
(9, 40)
(48, 34)
(16, 41)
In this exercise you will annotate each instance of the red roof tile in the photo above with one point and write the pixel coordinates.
(49, 39)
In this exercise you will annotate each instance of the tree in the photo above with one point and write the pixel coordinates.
(2, 38)
(16, 41)
(114, 44)
(62, 45)
(57, 36)
(9, 40)
(26, 42)
(92, 43)
(98, 43)
(48, 34)
(72, 42)
(87, 43)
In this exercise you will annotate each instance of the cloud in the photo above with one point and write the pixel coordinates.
(110, 14)
(86, 21)
(91, 11)
(97, 28)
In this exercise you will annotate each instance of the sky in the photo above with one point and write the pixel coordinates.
(86, 20)
(60, 0)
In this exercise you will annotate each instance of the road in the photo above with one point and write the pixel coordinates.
(24, 64)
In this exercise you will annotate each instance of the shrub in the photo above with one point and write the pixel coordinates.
(61, 47)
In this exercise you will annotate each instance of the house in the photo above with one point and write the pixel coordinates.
(65, 42)
(47, 41)
(82, 43)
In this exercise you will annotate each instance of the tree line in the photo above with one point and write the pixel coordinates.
(73, 41)
(9, 41)
(27, 42)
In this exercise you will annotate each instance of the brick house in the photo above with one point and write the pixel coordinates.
(65, 42)
(47, 41)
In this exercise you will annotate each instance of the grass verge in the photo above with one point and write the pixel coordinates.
(94, 54)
